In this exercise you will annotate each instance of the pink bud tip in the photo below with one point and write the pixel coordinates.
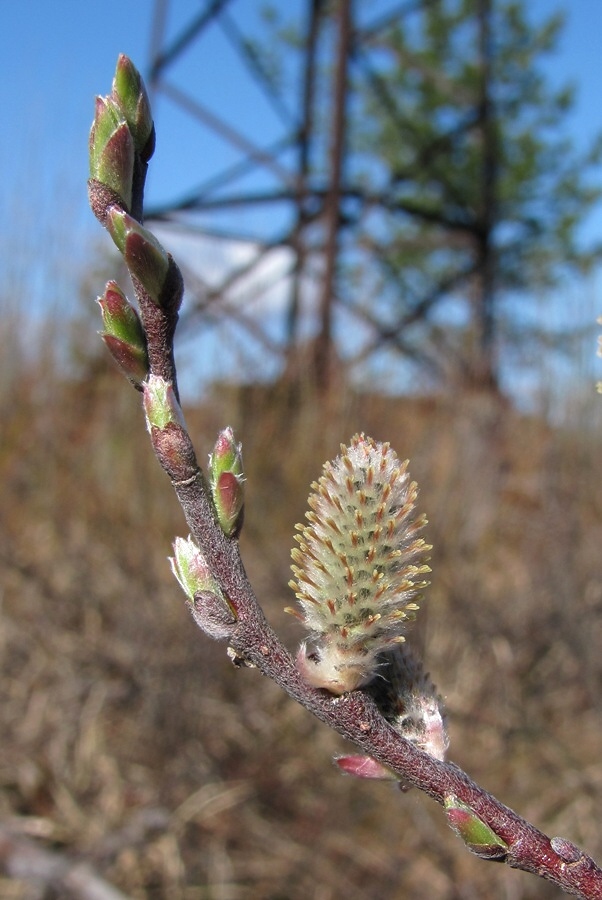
(364, 767)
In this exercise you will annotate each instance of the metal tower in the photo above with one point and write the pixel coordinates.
(290, 196)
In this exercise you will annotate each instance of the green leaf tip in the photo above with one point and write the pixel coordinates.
(129, 94)
(476, 834)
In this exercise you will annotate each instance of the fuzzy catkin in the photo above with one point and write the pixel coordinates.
(409, 700)
(359, 565)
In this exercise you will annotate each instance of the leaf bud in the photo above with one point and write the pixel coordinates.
(210, 607)
(365, 767)
(191, 570)
(123, 334)
(144, 256)
(226, 480)
(129, 94)
(112, 149)
(160, 405)
(119, 317)
(132, 361)
(476, 834)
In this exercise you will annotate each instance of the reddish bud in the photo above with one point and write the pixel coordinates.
(132, 361)
(144, 256)
(476, 834)
(227, 482)
(365, 767)
(112, 150)
(119, 317)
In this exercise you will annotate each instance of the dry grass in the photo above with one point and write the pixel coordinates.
(130, 741)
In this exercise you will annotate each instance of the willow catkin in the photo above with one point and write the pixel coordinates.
(360, 565)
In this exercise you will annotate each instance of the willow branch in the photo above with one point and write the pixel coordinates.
(227, 608)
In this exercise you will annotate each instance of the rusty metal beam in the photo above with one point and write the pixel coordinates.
(323, 350)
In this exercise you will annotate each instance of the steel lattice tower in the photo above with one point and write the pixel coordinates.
(300, 180)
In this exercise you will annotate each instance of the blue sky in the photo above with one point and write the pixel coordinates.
(58, 55)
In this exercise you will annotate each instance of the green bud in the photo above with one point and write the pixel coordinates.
(160, 405)
(144, 256)
(227, 482)
(123, 334)
(226, 456)
(112, 149)
(228, 496)
(191, 570)
(476, 834)
(209, 605)
(119, 317)
(107, 119)
(129, 94)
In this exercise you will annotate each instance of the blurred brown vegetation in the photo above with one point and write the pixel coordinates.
(130, 741)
